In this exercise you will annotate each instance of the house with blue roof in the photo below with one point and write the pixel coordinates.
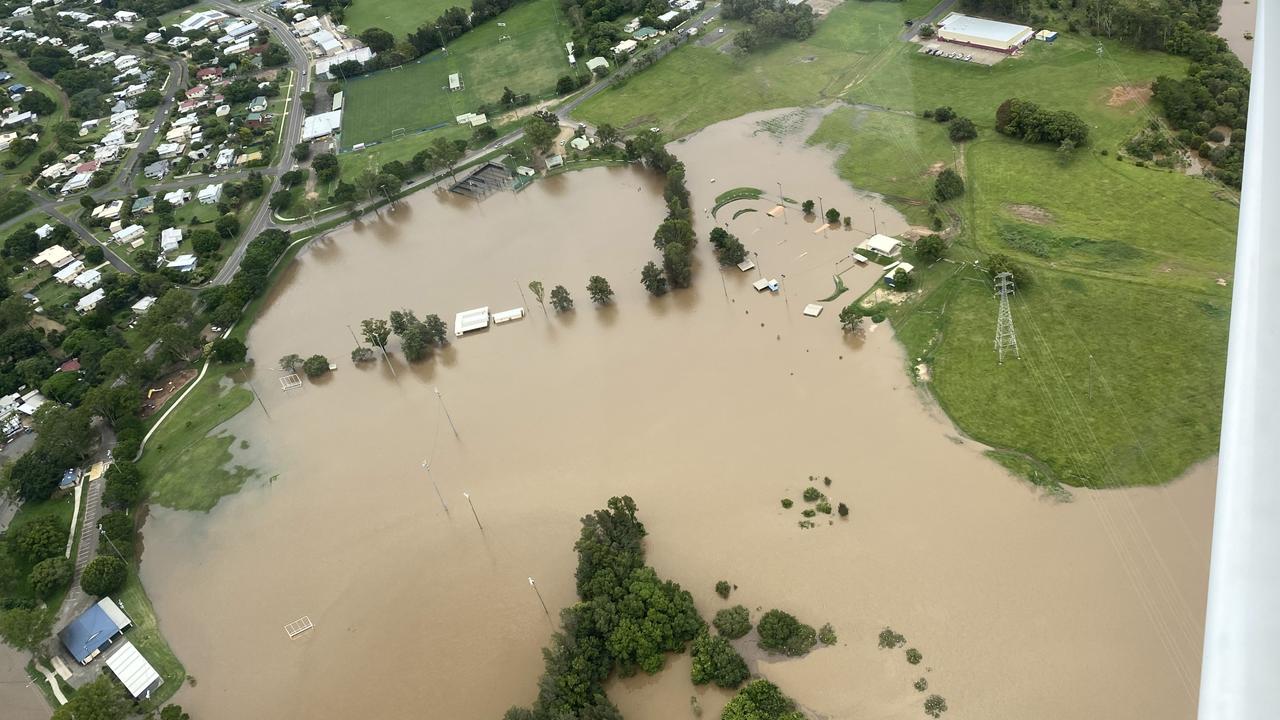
(93, 630)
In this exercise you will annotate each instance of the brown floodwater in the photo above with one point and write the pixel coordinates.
(20, 699)
(1239, 17)
(707, 406)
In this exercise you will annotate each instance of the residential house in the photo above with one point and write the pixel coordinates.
(78, 182)
(176, 198)
(88, 280)
(170, 238)
(69, 273)
(182, 263)
(128, 234)
(90, 301)
(127, 16)
(142, 306)
(210, 194)
(156, 170)
(55, 256)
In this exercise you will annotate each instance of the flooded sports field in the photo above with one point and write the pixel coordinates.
(708, 406)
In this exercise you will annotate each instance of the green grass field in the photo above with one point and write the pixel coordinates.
(416, 96)
(1123, 331)
(398, 17)
(186, 462)
(11, 178)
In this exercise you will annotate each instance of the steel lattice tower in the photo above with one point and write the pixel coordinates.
(1006, 338)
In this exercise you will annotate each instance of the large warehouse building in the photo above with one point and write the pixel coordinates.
(979, 32)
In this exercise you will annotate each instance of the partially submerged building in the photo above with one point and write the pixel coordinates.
(93, 630)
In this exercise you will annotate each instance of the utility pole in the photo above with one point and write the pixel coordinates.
(446, 412)
(473, 510)
(523, 302)
(353, 337)
(112, 543)
(1006, 338)
(539, 594)
(427, 466)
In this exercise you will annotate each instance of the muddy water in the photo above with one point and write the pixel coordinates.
(1239, 17)
(706, 406)
(20, 699)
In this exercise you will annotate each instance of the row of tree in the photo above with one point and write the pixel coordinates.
(769, 20)
(674, 237)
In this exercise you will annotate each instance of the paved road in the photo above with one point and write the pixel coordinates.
(928, 19)
(122, 184)
(300, 62)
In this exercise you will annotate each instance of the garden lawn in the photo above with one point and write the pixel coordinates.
(416, 96)
(186, 462)
(398, 17)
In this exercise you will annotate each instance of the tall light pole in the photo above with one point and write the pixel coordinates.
(782, 202)
(473, 510)
(446, 412)
(427, 466)
(534, 585)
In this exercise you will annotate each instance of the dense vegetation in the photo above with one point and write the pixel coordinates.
(769, 20)
(781, 632)
(627, 619)
(761, 700)
(674, 237)
(1215, 89)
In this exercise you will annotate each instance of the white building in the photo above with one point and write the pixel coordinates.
(321, 125)
(69, 273)
(169, 149)
(55, 256)
(226, 156)
(625, 47)
(78, 182)
(170, 238)
(88, 280)
(90, 301)
(142, 306)
(128, 234)
(127, 16)
(201, 19)
(980, 32)
(177, 198)
(210, 194)
(325, 66)
(182, 263)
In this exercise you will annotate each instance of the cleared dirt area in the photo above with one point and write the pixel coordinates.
(159, 392)
(1030, 213)
(1125, 94)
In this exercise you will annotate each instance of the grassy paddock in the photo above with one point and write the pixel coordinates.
(185, 461)
(416, 96)
(398, 17)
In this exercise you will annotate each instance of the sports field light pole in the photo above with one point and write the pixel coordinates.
(446, 413)
(782, 201)
(427, 466)
(473, 510)
(534, 585)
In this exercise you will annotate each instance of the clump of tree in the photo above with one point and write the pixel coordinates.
(316, 366)
(418, 338)
(560, 299)
(733, 622)
(102, 699)
(769, 20)
(807, 207)
(888, 639)
(812, 494)
(1028, 122)
(934, 706)
(948, 185)
(729, 249)
(104, 575)
(674, 238)
(931, 247)
(961, 129)
(723, 588)
(627, 619)
(761, 700)
(827, 635)
(599, 290)
(653, 279)
(715, 660)
(851, 317)
(921, 685)
(780, 631)
(913, 656)
(833, 216)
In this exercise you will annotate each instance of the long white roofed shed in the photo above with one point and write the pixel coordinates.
(133, 670)
(468, 320)
(983, 33)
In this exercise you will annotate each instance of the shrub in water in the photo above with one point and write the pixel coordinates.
(921, 685)
(722, 589)
(824, 507)
(913, 656)
(786, 503)
(934, 706)
(827, 635)
(843, 510)
(733, 622)
(890, 639)
(811, 494)
(809, 512)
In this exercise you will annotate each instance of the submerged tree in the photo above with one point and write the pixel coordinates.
(376, 331)
(599, 290)
(560, 299)
(535, 287)
(653, 280)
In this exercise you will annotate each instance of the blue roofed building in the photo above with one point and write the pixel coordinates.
(94, 629)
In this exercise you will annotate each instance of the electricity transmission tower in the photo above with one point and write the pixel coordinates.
(1006, 338)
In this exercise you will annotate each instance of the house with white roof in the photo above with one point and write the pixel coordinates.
(127, 16)
(142, 306)
(90, 301)
(78, 182)
(210, 194)
(170, 238)
(87, 280)
(69, 273)
(177, 198)
(182, 263)
(178, 41)
(125, 235)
